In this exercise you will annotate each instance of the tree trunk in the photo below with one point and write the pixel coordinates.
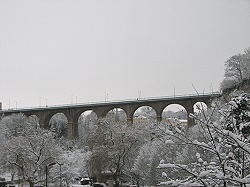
(31, 184)
(12, 177)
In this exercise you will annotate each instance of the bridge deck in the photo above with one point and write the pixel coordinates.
(114, 102)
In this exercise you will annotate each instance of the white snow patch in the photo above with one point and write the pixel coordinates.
(169, 142)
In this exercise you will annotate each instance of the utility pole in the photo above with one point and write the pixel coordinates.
(60, 164)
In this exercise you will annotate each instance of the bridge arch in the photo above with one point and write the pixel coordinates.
(59, 123)
(144, 114)
(50, 115)
(200, 108)
(117, 114)
(80, 112)
(174, 107)
(86, 121)
(87, 116)
(103, 111)
(174, 113)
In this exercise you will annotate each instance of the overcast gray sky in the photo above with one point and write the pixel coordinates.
(57, 50)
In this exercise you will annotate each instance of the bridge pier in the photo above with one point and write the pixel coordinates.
(72, 130)
(72, 124)
(159, 119)
(42, 120)
(129, 121)
(190, 110)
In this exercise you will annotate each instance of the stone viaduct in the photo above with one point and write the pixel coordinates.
(73, 112)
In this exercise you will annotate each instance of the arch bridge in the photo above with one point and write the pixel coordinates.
(73, 112)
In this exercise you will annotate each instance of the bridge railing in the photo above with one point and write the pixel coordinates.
(112, 102)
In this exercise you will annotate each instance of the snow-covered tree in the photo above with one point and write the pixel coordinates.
(237, 69)
(113, 145)
(73, 164)
(145, 166)
(163, 147)
(28, 149)
(13, 124)
(226, 139)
